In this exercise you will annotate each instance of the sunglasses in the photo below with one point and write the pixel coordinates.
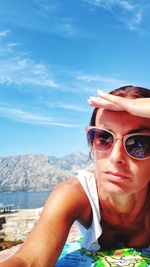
(136, 145)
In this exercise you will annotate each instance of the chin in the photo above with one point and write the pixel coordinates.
(115, 189)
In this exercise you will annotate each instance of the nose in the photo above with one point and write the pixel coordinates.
(117, 154)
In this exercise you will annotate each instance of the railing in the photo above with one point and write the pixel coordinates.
(5, 207)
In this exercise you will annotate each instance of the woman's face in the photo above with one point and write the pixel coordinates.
(116, 171)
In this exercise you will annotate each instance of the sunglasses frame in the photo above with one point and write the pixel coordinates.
(115, 138)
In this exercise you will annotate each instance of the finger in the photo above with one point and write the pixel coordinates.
(99, 102)
(125, 103)
(113, 98)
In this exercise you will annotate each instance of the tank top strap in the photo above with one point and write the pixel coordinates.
(90, 235)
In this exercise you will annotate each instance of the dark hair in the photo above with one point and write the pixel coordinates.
(128, 91)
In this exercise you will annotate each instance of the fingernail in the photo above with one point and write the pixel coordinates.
(89, 101)
(92, 98)
(100, 92)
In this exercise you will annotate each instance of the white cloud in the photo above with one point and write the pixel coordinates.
(110, 3)
(7, 48)
(125, 5)
(131, 13)
(17, 68)
(104, 82)
(88, 78)
(71, 107)
(45, 16)
(4, 33)
(19, 115)
(24, 71)
(134, 22)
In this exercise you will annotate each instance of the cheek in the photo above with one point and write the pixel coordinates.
(142, 171)
(101, 162)
(145, 172)
(100, 157)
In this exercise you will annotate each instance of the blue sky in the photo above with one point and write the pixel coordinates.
(54, 55)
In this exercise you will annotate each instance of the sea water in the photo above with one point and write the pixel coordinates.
(24, 200)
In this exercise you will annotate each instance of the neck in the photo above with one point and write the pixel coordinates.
(117, 208)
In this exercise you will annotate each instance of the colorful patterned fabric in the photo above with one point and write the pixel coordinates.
(75, 256)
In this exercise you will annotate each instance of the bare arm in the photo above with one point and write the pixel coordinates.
(138, 107)
(44, 244)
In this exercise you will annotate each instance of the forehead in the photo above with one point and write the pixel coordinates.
(114, 120)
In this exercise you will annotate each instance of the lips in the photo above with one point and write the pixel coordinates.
(116, 175)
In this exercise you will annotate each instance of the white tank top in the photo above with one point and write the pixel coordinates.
(90, 235)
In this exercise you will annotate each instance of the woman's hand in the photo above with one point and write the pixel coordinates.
(138, 107)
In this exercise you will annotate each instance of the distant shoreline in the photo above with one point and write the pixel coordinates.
(24, 199)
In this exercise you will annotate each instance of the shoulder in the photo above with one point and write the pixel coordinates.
(69, 188)
(69, 199)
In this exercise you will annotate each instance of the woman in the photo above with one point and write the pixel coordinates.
(112, 204)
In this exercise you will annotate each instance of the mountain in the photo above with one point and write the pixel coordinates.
(39, 172)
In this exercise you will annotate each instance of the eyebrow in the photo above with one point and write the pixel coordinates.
(139, 130)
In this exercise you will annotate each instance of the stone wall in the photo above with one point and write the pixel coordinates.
(17, 226)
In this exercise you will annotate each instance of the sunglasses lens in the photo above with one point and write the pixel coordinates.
(138, 146)
(100, 139)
